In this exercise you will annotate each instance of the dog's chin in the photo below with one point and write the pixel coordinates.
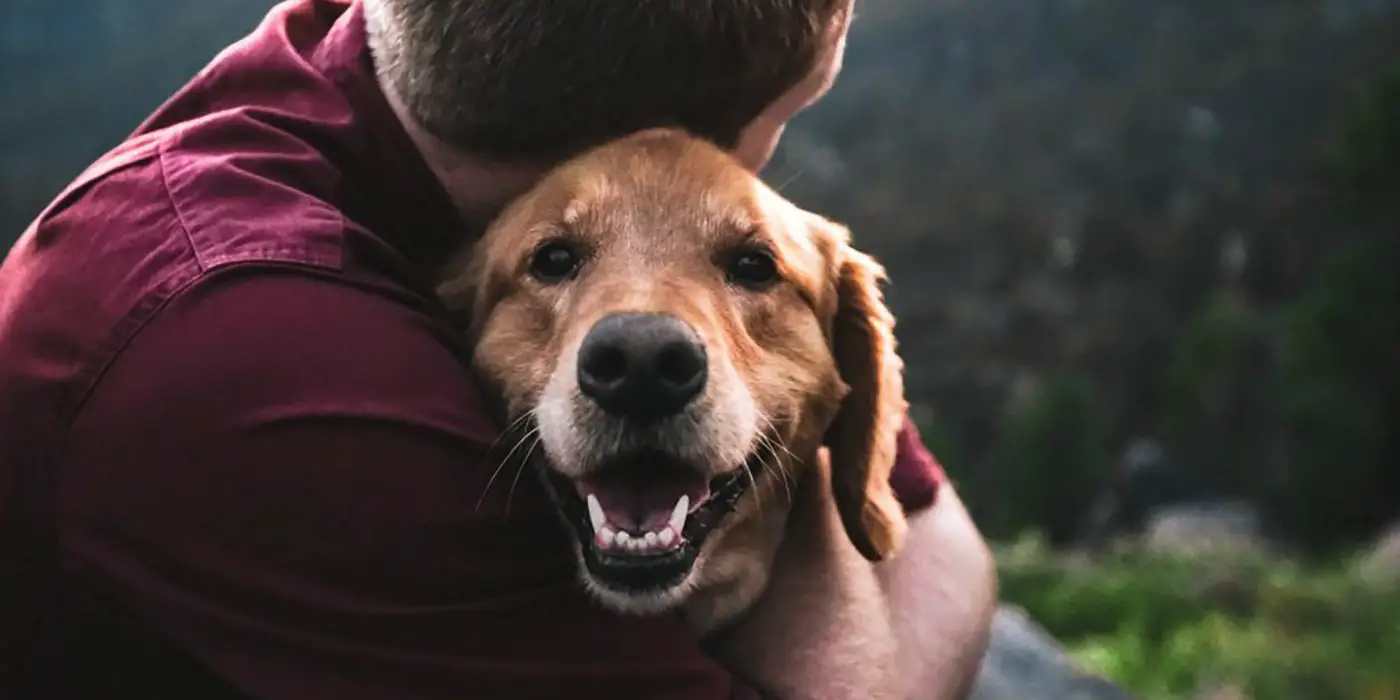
(641, 524)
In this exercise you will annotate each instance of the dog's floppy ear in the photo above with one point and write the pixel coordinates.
(475, 278)
(460, 286)
(862, 440)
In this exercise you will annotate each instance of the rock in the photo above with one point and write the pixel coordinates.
(1221, 692)
(1025, 663)
(1224, 589)
(1148, 481)
(1200, 527)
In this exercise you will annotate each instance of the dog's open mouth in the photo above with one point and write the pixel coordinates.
(641, 520)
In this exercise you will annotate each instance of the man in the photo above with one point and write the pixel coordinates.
(241, 454)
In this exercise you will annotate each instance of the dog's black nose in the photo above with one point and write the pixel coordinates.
(642, 366)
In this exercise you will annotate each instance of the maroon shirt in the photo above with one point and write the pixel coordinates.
(236, 422)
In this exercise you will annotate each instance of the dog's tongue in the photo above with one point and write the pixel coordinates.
(641, 502)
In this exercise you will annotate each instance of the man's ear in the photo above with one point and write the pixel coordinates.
(862, 440)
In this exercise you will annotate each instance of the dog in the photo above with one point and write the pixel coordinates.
(711, 374)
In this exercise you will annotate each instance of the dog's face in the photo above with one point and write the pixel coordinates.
(682, 339)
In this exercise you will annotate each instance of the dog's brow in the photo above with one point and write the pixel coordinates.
(587, 194)
(736, 212)
(574, 212)
(747, 232)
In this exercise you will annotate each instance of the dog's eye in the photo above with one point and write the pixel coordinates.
(554, 262)
(754, 269)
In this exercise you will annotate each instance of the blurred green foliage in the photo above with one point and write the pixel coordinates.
(1338, 389)
(1168, 627)
(1052, 458)
(1339, 397)
(1321, 373)
(1294, 406)
(945, 442)
(1207, 354)
(1366, 152)
(1330, 387)
(1209, 392)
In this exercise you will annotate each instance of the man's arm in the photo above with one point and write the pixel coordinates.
(942, 586)
(285, 475)
(942, 593)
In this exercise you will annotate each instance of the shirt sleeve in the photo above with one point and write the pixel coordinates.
(917, 474)
(288, 477)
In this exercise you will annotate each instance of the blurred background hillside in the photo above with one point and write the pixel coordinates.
(1144, 260)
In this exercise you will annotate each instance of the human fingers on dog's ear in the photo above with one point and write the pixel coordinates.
(862, 440)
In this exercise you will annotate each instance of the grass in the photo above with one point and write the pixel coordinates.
(1168, 627)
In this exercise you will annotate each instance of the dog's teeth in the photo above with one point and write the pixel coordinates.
(623, 538)
(595, 513)
(606, 536)
(651, 539)
(678, 514)
(666, 537)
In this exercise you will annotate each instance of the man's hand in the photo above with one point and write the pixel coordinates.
(821, 629)
(831, 626)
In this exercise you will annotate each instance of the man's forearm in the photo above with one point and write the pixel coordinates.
(942, 593)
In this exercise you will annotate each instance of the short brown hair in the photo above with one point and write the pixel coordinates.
(543, 79)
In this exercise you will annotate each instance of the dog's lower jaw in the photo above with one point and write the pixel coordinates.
(631, 603)
(720, 587)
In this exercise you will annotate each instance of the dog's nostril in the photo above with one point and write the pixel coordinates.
(680, 363)
(607, 364)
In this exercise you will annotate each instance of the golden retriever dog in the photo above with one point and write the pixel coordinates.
(711, 374)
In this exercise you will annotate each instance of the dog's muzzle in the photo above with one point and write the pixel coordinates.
(644, 506)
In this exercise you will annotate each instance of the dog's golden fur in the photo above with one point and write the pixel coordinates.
(808, 363)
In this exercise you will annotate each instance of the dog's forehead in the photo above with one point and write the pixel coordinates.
(646, 200)
(667, 194)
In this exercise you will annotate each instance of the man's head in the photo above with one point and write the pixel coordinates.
(521, 81)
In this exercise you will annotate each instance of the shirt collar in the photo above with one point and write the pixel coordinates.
(403, 196)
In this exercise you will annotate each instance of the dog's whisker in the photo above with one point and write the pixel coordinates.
(517, 423)
(757, 490)
(768, 448)
(773, 429)
(791, 179)
(490, 481)
(786, 473)
(525, 461)
(773, 446)
(534, 431)
(764, 451)
(514, 429)
(520, 441)
(784, 478)
(763, 464)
